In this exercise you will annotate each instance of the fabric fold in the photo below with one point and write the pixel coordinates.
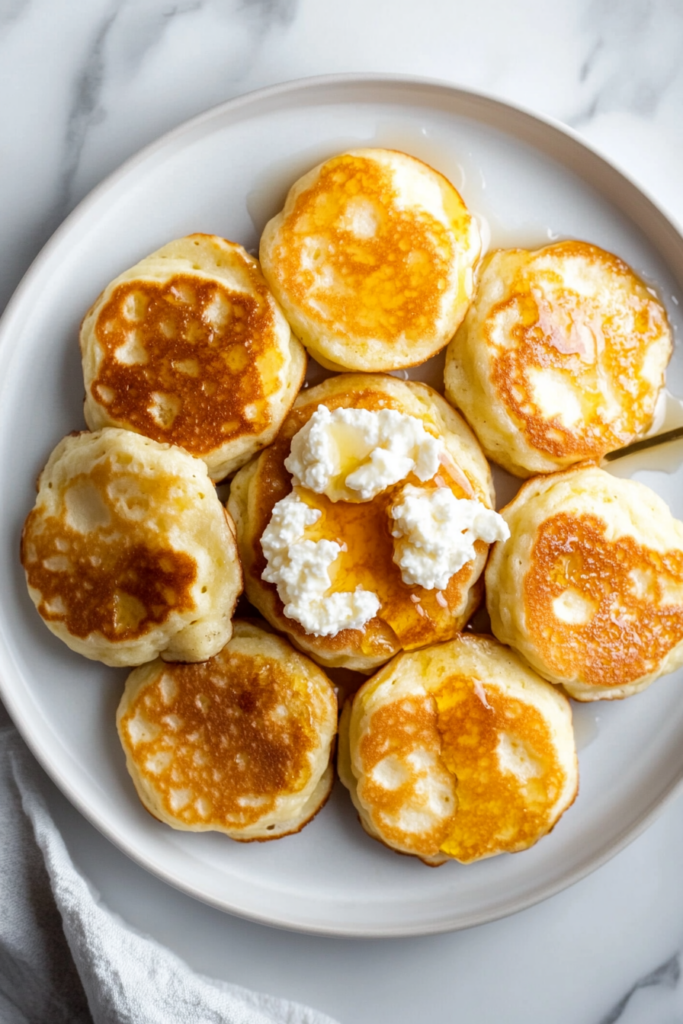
(65, 957)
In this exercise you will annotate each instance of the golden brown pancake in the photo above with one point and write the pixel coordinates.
(589, 587)
(240, 744)
(560, 358)
(372, 260)
(410, 616)
(458, 751)
(190, 347)
(129, 553)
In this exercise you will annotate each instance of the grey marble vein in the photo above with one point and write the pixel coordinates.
(632, 58)
(12, 10)
(144, 29)
(269, 11)
(146, 21)
(187, 8)
(85, 110)
(123, 38)
(589, 62)
(666, 975)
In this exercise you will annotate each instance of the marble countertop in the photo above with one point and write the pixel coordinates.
(86, 84)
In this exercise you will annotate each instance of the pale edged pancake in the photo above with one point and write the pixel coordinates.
(372, 260)
(410, 616)
(129, 553)
(189, 347)
(589, 586)
(239, 744)
(561, 357)
(458, 751)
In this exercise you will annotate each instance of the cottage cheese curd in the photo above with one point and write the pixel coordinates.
(300, 570)
(434, 534)
(355, 454)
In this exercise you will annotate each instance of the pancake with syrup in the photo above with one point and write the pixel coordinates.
(561, 357)
(128, 552)
(458, 751)
(240, 744)
(409, 615)
(189, 347)
(589, 586)
(372, 260)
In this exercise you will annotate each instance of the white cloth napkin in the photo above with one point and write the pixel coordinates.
(66, 959)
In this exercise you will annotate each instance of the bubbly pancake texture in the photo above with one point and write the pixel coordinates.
(409, 616)
(129, 553)
(372, 260)
(240, 744)
(458, 751)
(560, 358)
(589, 587)
(190, 347)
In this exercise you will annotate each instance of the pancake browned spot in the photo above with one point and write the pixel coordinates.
(404, 776)
(561, 356)
(632, 596)
(372, 260)
(128, 553)
(190, 347)
(459, 751)
(91, 581)
(194, 381)
(484, 731)
(589, 587)
(239, 744)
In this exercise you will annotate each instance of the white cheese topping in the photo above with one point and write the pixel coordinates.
(435, 533)
(354, 454)
(300, 570)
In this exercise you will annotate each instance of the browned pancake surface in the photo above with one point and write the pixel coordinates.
(98, 580)
(497, 811)
(184, 360)
(632, 623)
(397, 730)
(386, 285)
(584, 341)
(224, 739)
(459, 751)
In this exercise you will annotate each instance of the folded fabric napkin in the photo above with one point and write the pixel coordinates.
(66, 959)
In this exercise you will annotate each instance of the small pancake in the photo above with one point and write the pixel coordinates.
(458, 751)
(190, 347)
(410, 616)
(372, 260)
(129, 553)
(560, 358)
(589, 586)
(240, 744)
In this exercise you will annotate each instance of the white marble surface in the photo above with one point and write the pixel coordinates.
(83, 85)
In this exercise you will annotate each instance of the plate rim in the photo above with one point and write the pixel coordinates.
(11, 319)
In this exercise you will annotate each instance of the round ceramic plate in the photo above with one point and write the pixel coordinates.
(226, 172)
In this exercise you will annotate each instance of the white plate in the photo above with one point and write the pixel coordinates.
(224, 173)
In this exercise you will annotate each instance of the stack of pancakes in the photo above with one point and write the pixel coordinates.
(459, 746)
